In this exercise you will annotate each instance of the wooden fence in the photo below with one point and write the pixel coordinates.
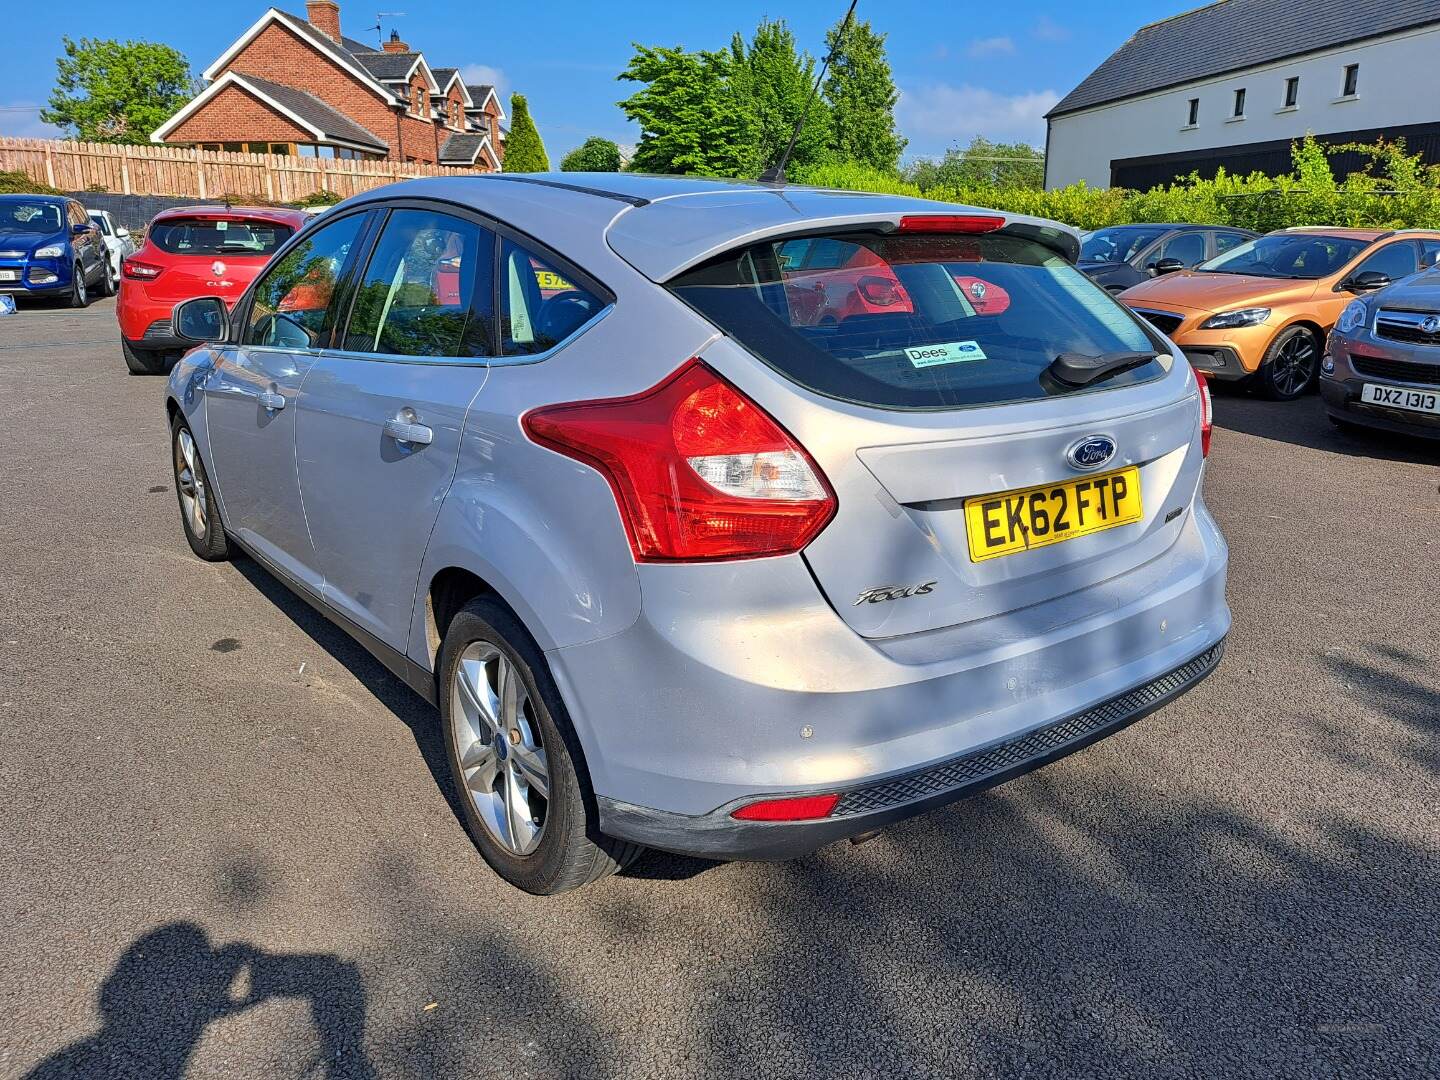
(204, 174)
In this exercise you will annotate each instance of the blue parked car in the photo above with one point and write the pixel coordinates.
(49, 247)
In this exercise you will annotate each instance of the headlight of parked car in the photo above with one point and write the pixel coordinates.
(54, 251)
(1352, 318)
(1228, 320)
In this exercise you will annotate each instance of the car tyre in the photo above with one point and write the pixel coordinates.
(108, 286)
(508, 738)
(1291, 365)
(142, 361)
(199, 514)
(79, 295)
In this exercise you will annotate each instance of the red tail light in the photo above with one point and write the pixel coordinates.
(951, 223)
(698, 469)
(802, 808)
(1207, 413)
(140, 271)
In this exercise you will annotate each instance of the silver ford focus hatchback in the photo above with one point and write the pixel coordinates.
(720, 518)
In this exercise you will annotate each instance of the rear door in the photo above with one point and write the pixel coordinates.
(250, 396)
(381, 414)
(970, 481)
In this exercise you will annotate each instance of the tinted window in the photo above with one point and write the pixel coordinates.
(294, 300)
(1189, 248)
(1429, 253)
(1394, 261)
(1224, 241)
(29, 217)
(100, 223)
(917, 322)
(540, 305)
(1118, 245)
(197, 236)
(1288, 255)
(428, 289)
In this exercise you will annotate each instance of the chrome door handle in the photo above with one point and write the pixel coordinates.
(408, 433)
(272, 401)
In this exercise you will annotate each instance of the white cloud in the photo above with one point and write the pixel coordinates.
(991, 46)
(21, 120)
(958, 113)
(1047, 29)
(485, 75)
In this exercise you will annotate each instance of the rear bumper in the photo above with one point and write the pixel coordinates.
(878, 804)
(158, 336)
(739, 682)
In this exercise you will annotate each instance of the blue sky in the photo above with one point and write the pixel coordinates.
(990, 69)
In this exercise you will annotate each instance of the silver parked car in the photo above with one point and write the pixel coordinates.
(720, 518)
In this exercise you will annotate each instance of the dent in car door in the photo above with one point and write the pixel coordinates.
(382, 414)
(250, 396)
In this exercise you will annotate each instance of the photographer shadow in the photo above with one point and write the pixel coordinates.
(172, 983)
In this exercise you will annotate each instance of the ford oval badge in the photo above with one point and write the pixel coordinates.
(1091, 452)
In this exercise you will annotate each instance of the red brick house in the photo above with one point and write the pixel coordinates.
(299, 86)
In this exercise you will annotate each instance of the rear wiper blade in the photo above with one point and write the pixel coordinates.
(1077, 369)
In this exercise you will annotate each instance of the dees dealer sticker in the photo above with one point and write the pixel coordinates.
(947, 352)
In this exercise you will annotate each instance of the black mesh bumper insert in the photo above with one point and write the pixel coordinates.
(981, 765)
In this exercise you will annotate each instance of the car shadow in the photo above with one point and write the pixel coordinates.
(1304, 423)
(414, 711)
(173, 982)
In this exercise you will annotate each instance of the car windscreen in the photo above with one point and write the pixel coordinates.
(917, 322)
(1288, 255)
(209, 236)
(1118, 245)
(29, 217)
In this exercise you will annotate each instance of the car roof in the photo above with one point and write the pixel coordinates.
(17, 196)
(1326, 230)
(279, 214)
(663, 225)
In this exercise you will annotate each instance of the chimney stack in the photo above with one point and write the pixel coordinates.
(395, 44)
(324, 15)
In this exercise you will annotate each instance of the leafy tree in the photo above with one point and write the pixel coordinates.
(112, 91)
(982, 164)
(593, 155)
(771, 80)
(862, 97)
(524, 150)
(690, 118)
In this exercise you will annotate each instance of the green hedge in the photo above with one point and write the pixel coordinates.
(1396, 191)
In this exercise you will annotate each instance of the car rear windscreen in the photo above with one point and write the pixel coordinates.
(206, 236)
(917, 322)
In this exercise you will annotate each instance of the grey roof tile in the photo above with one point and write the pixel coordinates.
(1231, 35)
(333, 124)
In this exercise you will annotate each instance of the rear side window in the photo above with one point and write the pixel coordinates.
(428, 289)
(540, 304)
(916, 322)
(197, 236)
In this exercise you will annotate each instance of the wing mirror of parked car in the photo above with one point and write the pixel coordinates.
(77, 228)
(1366, 281)
(204, 318)
(1166, 266)
(121, 231)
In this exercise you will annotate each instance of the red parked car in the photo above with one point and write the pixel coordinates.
(192, 251)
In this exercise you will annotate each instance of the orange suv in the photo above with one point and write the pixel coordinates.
(1262, 310)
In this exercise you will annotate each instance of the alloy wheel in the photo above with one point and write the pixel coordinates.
(194, 500)
(80, 293)
(1294, 365)
(498, 743)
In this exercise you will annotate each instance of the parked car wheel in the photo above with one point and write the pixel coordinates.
(1291, 365)
(108, 286)
(143, 361)
(198, 513)
(513, 758)
(79, 295)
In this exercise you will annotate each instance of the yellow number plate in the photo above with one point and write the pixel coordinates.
(1011, 521)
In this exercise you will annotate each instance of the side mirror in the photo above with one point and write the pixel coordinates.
(1366, 281)
(77, 228)
(121, 231)
(204, 318)
(1166, 266)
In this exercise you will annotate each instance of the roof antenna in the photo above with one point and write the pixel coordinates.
(776, 173)
(379, 16)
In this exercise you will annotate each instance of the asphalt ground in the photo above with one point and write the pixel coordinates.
(224, 850)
